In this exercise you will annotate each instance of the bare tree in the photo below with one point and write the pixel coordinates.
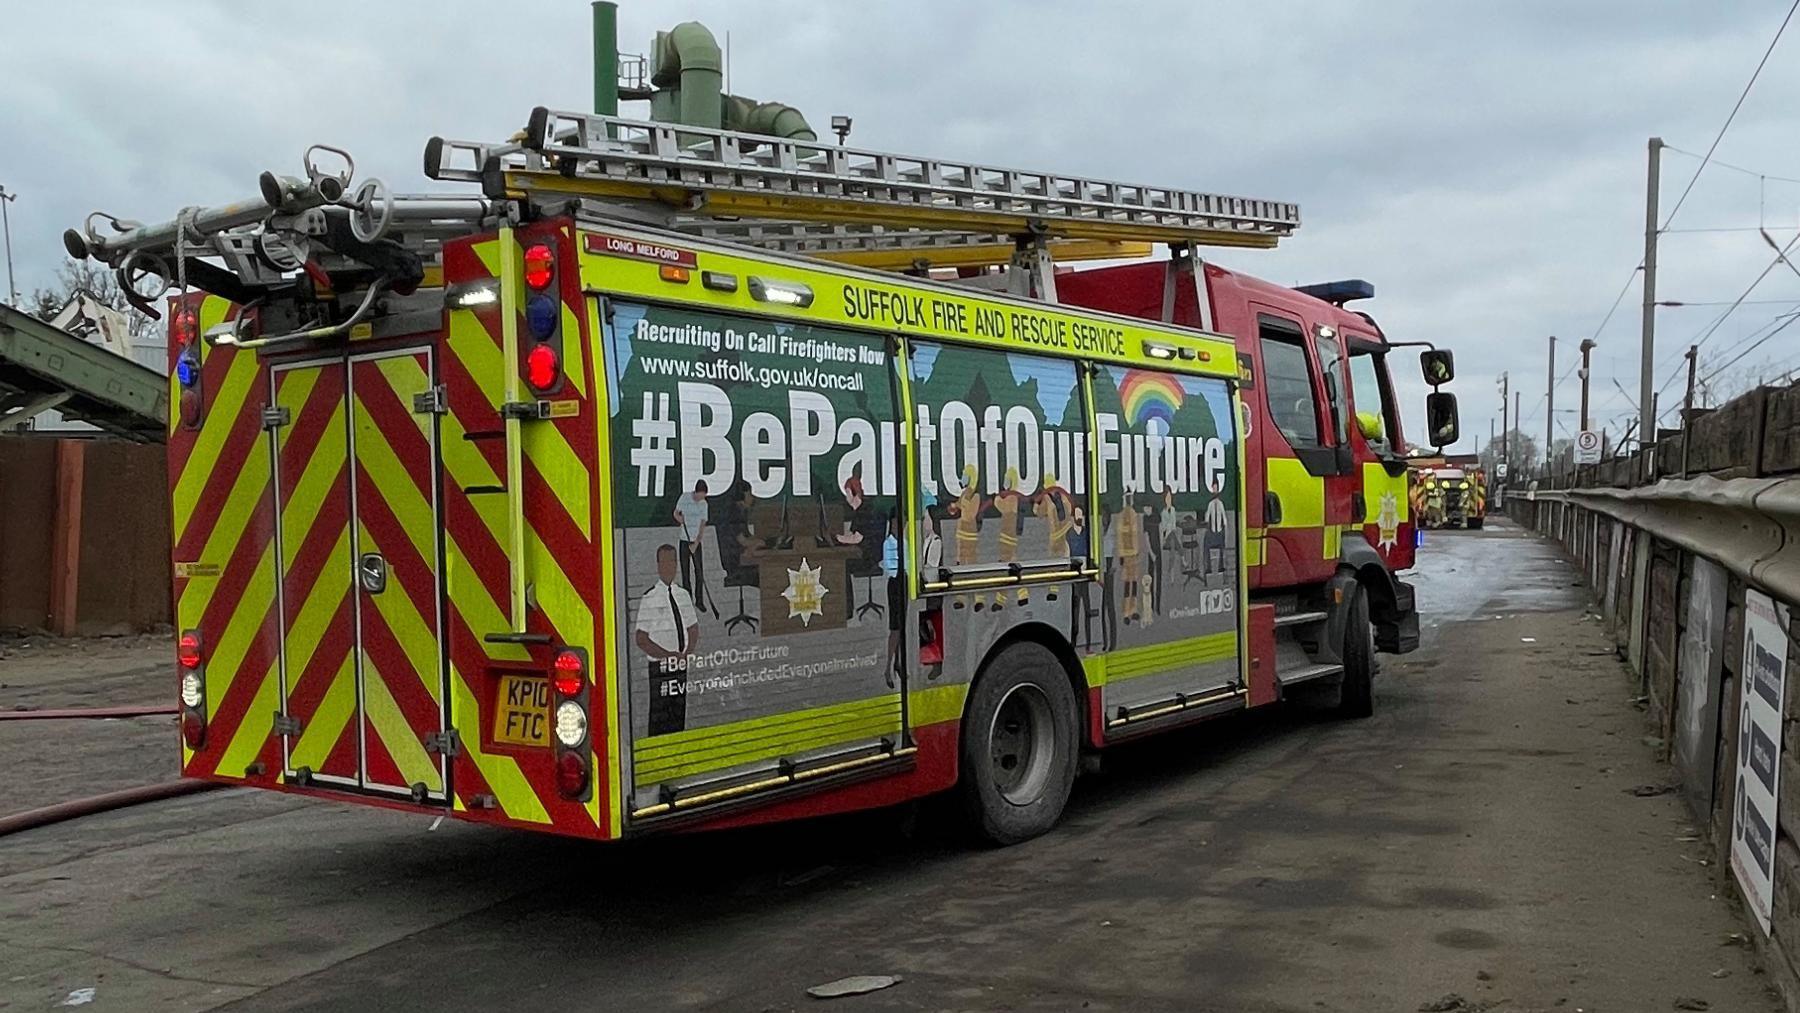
(101, 285)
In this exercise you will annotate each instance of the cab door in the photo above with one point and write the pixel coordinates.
(1300, 453)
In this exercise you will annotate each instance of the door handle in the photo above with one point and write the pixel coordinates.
(371, 572)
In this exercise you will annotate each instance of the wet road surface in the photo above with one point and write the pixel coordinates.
(1476, 837)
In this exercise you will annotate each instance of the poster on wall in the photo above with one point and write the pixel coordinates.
(1697, 712)
(1759, 752)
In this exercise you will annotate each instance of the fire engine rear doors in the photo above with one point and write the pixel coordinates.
(359, 539)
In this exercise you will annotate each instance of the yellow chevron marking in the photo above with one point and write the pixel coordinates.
(253, 731)
(489, 255)
(320, 606)
(248, 621)
(515, 795)
(558, 599)
(562, 471)
(470, 342)
(328, 720)
(574, 355)
(247, 494)
(410, 629)
(222, 410)
(322, 477)
(397, 736)
(376, 459)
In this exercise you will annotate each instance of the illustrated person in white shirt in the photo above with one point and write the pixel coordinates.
(693, 513)
(668, 626)
(1215, 535)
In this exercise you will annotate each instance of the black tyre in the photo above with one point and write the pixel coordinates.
(1019, 745)
(1475, 523)
(1356, 693)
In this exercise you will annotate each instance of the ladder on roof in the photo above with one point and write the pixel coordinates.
(870, 201)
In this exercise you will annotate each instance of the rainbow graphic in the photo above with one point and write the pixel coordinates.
(1146, 395)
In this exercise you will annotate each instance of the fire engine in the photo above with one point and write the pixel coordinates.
(1451, 492)
(660, 480)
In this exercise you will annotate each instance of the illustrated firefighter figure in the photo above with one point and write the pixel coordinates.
(1054, 503)
(1010, 504)
(966, 508)
(1130, 530)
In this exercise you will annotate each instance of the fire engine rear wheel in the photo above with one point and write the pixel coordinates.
(1356, 693)
(1019, 745)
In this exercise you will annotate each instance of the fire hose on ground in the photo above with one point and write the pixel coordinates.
(147, 710)
(106, 801)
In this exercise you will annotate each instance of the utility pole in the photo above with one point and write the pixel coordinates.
(1647, 354)
(1505, 426)
(6, 226)
(1687, 409)
(1587, 347)
(1550, 403)
(1516, 396)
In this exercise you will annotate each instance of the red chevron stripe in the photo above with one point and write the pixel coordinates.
(398, 426)
(243, 440)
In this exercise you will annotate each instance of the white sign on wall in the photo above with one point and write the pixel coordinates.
(1587, 447)
(1761, 684)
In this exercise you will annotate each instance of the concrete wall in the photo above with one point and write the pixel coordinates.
(84, 536)
(1649, 628)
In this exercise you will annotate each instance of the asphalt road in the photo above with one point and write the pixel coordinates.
(1477, 837)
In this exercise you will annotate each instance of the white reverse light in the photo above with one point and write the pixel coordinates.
(571, 723)
(190, 688)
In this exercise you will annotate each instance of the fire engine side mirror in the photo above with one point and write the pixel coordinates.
(1440, 418)
(1438, 365)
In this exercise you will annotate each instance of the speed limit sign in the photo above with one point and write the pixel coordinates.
(1587, 447)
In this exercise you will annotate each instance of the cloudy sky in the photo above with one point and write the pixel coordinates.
(1482, 164)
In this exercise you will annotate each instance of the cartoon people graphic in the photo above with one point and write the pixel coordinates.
(1054, 503)
(1130, 532)
(966, 508)
(1009, 504)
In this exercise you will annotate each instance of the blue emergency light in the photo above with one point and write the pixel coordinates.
(541, 312)
(186, 371)
(1338, 293)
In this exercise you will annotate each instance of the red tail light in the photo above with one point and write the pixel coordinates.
(570, 674)
(193, 729)
(540, 265)
(540, 367)
(571, 774)
(187, 649)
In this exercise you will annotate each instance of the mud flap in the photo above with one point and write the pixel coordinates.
(1397, 627)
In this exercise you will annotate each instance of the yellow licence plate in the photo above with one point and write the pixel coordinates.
(522, 711)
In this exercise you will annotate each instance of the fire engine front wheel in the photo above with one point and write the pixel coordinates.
(1356, 693)
(1019, 746)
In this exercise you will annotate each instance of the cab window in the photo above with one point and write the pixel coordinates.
(1288, 386)
(1368, 391)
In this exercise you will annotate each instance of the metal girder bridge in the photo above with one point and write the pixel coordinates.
(42, 367)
